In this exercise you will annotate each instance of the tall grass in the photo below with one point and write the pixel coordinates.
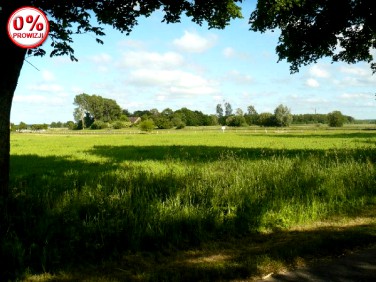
(84, 197)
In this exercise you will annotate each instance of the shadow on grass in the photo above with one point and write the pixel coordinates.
(61, 207)
(205, 154)
(312, 135)
(231, 258)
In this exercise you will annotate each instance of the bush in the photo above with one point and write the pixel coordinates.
(121, 124)
(236, 121)
(99, 125)
(147, 125)
(180, 125)
(336, 119)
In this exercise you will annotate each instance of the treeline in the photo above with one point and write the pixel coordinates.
(318, 118)
(96, 112)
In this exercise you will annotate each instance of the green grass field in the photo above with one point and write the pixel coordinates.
(101, 195)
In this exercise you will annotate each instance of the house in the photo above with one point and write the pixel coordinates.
(134, 120)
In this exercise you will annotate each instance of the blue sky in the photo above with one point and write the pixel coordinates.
(184, 65)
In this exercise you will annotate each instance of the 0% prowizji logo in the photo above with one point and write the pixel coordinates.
(28, 27)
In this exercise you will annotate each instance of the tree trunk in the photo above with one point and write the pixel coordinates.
(11, 59)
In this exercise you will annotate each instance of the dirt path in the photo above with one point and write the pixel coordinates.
(358, 266)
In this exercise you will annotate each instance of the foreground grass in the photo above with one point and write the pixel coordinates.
(189, 205)
(241, 258)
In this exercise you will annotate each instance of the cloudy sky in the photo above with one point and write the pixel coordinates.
(185, 65)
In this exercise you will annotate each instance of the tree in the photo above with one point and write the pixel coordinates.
(311, 30)
(228, 109)
(283, 116)
(73, 17)
(96, 108)
(239, 112)
(266, 119)
(336, 119)
(237, 120)
(219, 111)
(251, 116)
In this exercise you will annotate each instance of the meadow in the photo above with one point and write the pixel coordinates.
(139, 198)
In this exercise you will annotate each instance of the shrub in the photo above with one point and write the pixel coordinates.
(98, 124)
(180, 125)
(236, 121)
(147, 125)
(121, 124)
(336, 119)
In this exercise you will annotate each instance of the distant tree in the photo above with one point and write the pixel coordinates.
(336, 119)
(228, 109)
(213, 120)
(70, 124)
(266, 119)
(163, 122)
(239, 112)
(283, 115)
(219, 111)
(97, 107)
(251, 110)
(147, 125)
(140, 113)
(251, 116)
(126, 113)
(22, 126)
(154, 112)
(236, 121)
(167, 113)
(111, 110)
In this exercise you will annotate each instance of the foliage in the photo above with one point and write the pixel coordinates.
(39, 126)
(163, 122)
(96, 107)
(236, 121)
(180, 125)
(121, 124)
(22, 125)
(336, 119)
(251, 115)
(147, 125)
(311, 30)
(266, 119)
(283, 115)
(219, 110)
(228, 109)
(309, 118)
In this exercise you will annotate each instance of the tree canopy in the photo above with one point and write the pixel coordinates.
(312, 29)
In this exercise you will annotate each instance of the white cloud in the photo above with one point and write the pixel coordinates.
(40, 100)
(231, 53)
(319, 71)
(355, 71)
(131, 43)
(101, 58)
(46, 87)
(48, 76)
(143, 59)
(238, 77)
(228, 52)
(173, 82)
(312, 83)
(350, 96)
(195, 43)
